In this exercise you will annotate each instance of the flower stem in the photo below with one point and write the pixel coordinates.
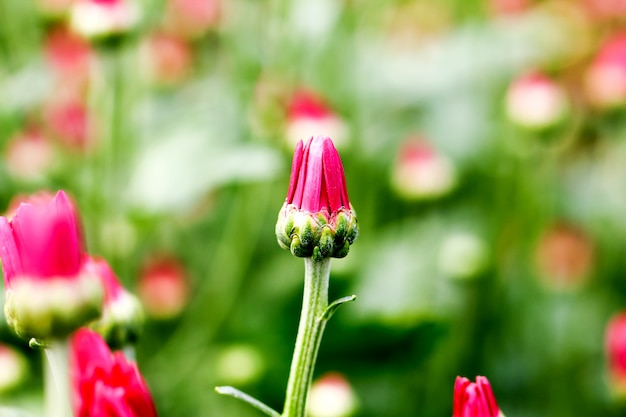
(56, 380)
(312, 322)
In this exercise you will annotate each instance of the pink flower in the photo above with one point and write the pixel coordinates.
(95, 19)
(43, 240)
(168, 58)
(317, 181)
(474, 399)
(47, 293)
(615, 347)
(535, 101)
(29, 154)
(106, 384)
(421, 171)
(191, 19)
(605, 80)
(308, 114)
(317, 212)
(163, 287)
(122, 316)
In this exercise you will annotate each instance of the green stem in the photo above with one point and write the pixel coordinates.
(312, 322)
(56, 380)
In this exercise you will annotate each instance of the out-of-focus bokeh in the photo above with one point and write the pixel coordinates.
(484, 144)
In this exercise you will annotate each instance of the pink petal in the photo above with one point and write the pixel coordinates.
(11, 263)
(314, 175)
(295, 171)
(302, 173)
(334, 176)
(99, 267)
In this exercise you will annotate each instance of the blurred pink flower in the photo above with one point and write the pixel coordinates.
(421, 171)
(332, 396)
(191, 19)
(564, 256)
(29, 154)
(615, 347)
(534, 101)
(308, 115)
(163, 287)
(605, 79)
(474, 399)
(605, 9)
(106, 384)
(167, 57)
(509, 7)
(95, 19)
(69, 122)
(122, 317)
(69, 56)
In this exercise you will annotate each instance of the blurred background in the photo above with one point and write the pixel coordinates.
(484, 144)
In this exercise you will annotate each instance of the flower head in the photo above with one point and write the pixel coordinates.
(42, 258)
(615, 347)
(104, 383)
(100, 19)
(163, 287)
(308, 114)
(474, 399)
(317, 218)
(122, 316)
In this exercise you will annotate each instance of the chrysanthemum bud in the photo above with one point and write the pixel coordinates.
(122, 316)
(474, 399)
(48, 294)
(317, 219)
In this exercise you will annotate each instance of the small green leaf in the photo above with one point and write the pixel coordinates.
(234, 392)
(330, 310)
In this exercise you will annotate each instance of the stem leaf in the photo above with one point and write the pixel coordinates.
(240, 395)
(330, 310)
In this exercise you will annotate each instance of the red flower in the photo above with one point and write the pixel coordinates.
(317, 181)
(474, 399)
(43, 240)
(106, 384)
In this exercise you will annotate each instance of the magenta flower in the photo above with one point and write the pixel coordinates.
(106, 384)
(474, 399)
(317, 212)
(42, 259)
(615, 347)
(122, 316)
(41, 241)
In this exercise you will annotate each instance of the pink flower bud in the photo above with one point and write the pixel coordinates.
(68, 121)
(308, 115)
(564, 256)
(536, 102)
(474, 399)
(615, 347)
(29, 155)
(163, 287)
(332, 396)
(422, 172)
(167, 58)
(42, 258)
(122, 317)
(97, 19)
(191, 19)
(605, 80)
(104, 383)
(317, 218)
